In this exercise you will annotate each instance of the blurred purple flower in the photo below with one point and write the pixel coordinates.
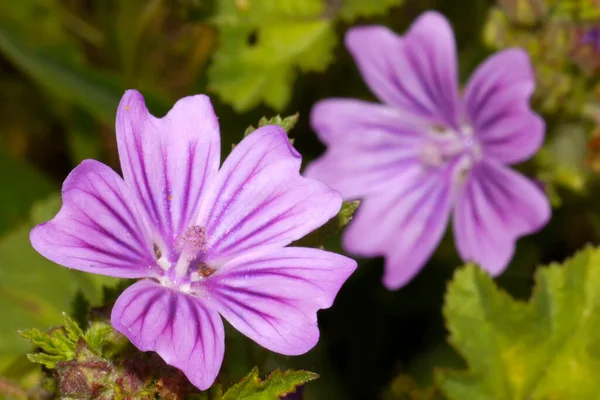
(428, 152)
(205, 241)
(591, 37)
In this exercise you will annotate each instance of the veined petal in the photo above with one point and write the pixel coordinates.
(495, 207)
(404, 224)
(417, 72)
(101, 228)
(368, 144)
(260, 200)
(179, 327)
(169, 162)
(497, 104)
(273, 297)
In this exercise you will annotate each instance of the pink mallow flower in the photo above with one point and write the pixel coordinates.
(203, 241)
(428, 152)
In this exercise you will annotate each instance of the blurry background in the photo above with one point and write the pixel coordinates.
(64, 65)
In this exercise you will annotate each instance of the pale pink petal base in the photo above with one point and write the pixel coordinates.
(179, 327)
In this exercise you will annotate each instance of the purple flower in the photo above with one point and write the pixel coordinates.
(591, 37)
(429, 152)
(205, 241)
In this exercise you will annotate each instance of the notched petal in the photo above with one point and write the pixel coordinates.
(260, 199)
(169, 162)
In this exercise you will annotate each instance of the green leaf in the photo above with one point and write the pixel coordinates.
(97, 335)
(49, 361)
(74, 332)
(22, 185)
(262, 47)
(67, 81)
(286, 123)
(352, 9)
(95, 92)
(277, 384)
(525, 12)
(404, 387)
(547, 348)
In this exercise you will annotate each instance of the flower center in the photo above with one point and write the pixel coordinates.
(447, 146)
(190, 247)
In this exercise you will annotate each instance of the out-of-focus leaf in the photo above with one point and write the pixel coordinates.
(50, 27)
(274, 386)
(22, 185)
(263, 44)
(352, 9)
(404, 387)
(34, 292)
(547, 348)
(525, 12)
(560, 163)
(95, 92)
(549, 47)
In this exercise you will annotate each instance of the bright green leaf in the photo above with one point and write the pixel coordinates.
(97, 335)
(262, 47)
(73, 330)
(352, 9)
(277, 384)
(49, 361)
(547, 348)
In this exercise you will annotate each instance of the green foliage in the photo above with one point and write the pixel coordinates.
(286, 123)
(547, 348)
(22, 185)
(56, 345)
(404, 387)
(275, 385)
(263, 44)
(352, 9)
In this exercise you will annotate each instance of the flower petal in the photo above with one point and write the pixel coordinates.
(273, 297)
(417, 72)
(497, 103)
(179, 327)
(101, 228)
(404, 224)
(169, 162)
(495, 208)
(368, 144)
(259, 198)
